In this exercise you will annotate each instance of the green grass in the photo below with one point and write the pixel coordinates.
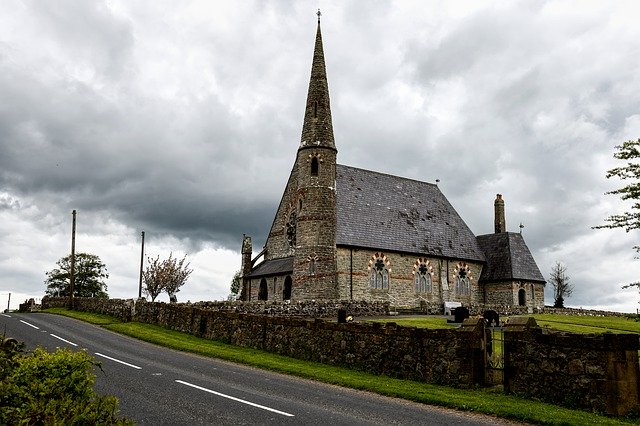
(575, 324)
(420, 322)
(585, 324)
(485, 401)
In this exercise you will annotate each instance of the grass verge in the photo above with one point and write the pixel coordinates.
(476, 400)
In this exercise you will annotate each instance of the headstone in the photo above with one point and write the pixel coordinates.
(460, 314)
(342, 315)
(492, 317)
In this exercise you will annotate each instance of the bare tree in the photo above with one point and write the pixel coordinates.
(561, 286)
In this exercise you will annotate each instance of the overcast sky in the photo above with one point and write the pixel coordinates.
(182, 119)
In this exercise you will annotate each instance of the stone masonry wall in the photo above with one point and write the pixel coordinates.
(594, 372)
(452, 357)
(401, 291)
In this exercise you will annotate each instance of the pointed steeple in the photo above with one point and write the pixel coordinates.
(317, 129)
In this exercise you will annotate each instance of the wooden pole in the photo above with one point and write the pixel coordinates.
(72, 272)
(141, 263)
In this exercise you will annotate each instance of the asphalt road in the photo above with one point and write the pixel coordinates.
(160, 386)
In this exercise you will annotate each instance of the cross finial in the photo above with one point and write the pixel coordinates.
(319, 15)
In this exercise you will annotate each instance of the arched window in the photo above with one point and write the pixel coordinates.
(522, 297)
(286, 292)
(423, 276)
(312, 264)
(314, 166)
(379, 270)
(462, 276)
(263, 294)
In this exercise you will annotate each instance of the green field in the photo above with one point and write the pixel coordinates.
(482, 400)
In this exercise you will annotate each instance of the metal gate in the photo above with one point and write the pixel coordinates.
(494, 354)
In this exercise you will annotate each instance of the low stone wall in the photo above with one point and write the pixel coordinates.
(594, 372)
(452, 357)
(308, 309)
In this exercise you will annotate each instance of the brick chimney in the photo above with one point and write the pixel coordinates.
(500, 224)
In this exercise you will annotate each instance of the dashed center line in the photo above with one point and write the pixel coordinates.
(253, 404)
(30, 325)
(60, 338)
(121, 362)
(5, 315)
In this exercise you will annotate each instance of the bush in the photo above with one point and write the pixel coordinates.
(52, 389)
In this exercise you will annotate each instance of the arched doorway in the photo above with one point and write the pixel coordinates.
(263, 293)
(286, 291)
(522, 297)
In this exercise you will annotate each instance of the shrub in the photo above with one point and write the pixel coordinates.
(52, 389)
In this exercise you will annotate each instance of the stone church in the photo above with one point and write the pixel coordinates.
(344, 233)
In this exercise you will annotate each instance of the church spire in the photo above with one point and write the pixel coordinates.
(317, 130)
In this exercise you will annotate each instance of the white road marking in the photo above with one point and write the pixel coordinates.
(60, 338)
(253, 404)
(30, 325)
(5, 315)
(121, 362)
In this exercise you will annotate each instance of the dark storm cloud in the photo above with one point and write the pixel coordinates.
(183, 120)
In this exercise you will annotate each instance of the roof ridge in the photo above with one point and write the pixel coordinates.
(388, 174)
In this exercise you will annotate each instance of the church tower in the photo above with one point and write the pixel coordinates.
(314, 265)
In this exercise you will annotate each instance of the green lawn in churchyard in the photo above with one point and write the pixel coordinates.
(572, 323)
(481, 400)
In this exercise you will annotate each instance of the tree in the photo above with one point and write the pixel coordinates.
(236, 286)
(90, 274)
(561, 286)
(165, 275)
(630, 152)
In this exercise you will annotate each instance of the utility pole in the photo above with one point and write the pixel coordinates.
(9, 302)
(141, 263)
(72, 273)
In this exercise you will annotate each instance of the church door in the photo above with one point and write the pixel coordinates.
(522, 297)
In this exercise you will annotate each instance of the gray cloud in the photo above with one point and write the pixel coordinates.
(183, 120)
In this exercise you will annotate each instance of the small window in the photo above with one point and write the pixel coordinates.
(286, 292)
(314, 166)
(263, 293)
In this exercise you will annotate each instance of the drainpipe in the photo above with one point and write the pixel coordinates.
(351, 273)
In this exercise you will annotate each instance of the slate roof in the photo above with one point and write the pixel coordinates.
(508, 258)
(385, 212)
(273, 267)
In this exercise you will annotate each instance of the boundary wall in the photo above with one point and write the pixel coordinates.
(592, 372)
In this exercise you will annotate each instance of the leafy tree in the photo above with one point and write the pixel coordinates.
(561, 286)
(90, 274)
(165, 275)
(629, 151)
(52, 388)
(236, 286)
